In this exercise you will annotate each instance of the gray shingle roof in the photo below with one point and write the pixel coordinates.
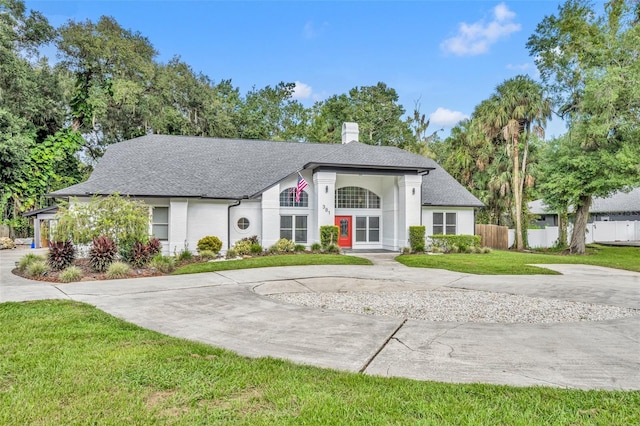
(618, 202)
(183, 166)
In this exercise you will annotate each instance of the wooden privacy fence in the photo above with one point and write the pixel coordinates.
(494, 236)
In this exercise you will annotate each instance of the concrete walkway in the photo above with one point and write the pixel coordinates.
(226, 309)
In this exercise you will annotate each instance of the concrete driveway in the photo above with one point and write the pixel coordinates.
(226, 310)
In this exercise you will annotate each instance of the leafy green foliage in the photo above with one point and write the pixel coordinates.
(242, 247)
(283, 245)
(207, 254)
(455, 243)
(28, 259)
(70, 274)
(210, 243)
(231, 253)
(102, 253)
(332, 248)
(37, 268)
(589, 63)
(416, 238)
(328, 235)
(117, 270)
(164, 264)
(61, 254)
(299, 248)
(316, 247)
(256, 249)
(184, 255)
(121, 219)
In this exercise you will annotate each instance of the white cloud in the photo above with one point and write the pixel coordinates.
(443, 117)
(311, 30)
(476, 38)
(520, 67)
(302, 91)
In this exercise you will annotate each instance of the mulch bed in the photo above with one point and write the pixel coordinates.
(89, 274)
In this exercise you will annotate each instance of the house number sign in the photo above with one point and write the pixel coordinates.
(324, 207)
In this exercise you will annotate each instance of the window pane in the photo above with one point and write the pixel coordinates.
(301, 222)
(451, 218)
(286, 233)
(437, 229)
(288, 198)
(161, 232)
(374, 235)
(451, 230)
(301, 235)
(161, 215)
(361, 235)
(361, 222)
(438, 219)
(374, 222)
(243, 223)
(286, 222)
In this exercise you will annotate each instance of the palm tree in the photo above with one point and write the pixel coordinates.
(517, 110)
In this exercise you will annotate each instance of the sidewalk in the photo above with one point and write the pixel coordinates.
(222, 309)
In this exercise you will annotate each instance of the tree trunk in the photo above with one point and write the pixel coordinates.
(563, 219)
(578, 244)
(516, 194)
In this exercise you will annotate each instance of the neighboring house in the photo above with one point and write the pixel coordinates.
(615, 218)
(238, 188)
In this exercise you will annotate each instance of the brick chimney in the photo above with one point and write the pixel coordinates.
(349, 132)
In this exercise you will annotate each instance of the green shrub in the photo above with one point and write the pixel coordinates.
(416, 238)
(454, 248)
(231, 254)
(256, 249)
(117, 270)
(102, 253)
(207, 254)
(328, 235)
(209, 243)
(242, 247)
(316, 247)
(299, 248)
(283, 246)
(119, 218)
(332, 248)
(406, 250)
(72, 273)
(485, 250)
(462, 242)
(37, 268)
(185, 255)
(28, 259)
(165, 264)
(61, 254)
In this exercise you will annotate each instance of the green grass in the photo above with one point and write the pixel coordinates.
(268, 261)
(516, 263)
(69, 363)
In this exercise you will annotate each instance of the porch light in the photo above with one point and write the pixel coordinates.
(413, 191)
(326, 189)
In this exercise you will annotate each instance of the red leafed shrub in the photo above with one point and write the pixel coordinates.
(61, 254)
(102, 253)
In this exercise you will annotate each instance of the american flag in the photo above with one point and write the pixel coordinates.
(302, 184)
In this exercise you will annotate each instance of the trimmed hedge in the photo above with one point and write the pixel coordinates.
(455, 243)
(328, 235)
(416, 238)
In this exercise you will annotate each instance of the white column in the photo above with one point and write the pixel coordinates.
(178, 215)
(409, 206)
(325, 185)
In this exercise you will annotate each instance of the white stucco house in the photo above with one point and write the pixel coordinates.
(233, 189)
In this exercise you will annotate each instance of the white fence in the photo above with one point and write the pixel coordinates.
(596, 232)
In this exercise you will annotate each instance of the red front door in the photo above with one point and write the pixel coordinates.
(344, 230)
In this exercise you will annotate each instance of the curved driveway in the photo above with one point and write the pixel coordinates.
(228, 309)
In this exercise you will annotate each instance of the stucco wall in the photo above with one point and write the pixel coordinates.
(465, 219)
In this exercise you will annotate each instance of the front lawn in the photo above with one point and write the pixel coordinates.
(69, 363)
(516, 263)
(277, 260)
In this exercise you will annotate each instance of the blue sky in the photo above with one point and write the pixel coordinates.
(446, 55)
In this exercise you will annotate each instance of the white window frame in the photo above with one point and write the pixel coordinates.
(367, 229)
(295, 229)
(154, 224)
(447, 225)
